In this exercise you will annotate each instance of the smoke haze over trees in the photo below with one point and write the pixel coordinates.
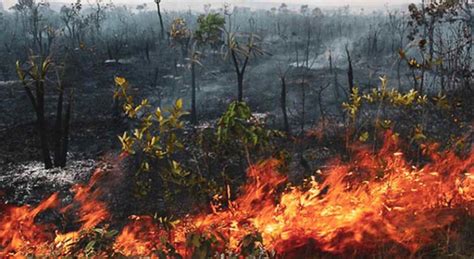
(264, 129)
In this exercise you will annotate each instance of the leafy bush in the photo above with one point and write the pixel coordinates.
(153, 139)
(238, 126)
(408, 113)
(210, 29)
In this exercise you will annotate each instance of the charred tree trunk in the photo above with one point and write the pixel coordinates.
(147, 51)
(240, 87)
(175, 65)
(415, 80)
(65, 137)
(109, 52)
(468, 35)
(431, 39)
(330, 62)
(350, 72)
(375, 47)
(240, 71)
(336, 86)
(42, 125)
(286, 125)
(61, 129)
(193, 97)
(422, 80)
(160, 17)
(308, 44)
(58, 128)
(279, 28)
(303, 105)
(399, 63)
(321, 106)
(38, 77)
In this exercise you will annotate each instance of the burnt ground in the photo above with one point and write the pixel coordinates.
(95, 125)
(95, 128)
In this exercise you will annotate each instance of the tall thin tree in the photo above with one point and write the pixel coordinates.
(160, 17)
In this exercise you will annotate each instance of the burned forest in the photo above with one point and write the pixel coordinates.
(238, 129)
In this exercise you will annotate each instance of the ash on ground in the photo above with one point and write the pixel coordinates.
(28, 182)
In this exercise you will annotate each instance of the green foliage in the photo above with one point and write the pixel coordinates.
(251, 244)
(205, 167)
(98, 240)
(385, 108)
(154, 143)
(154, 140)
(88, 242)
(238, 124)
(142, 139)
(243, 50)
(210, 29)
(384, 99)
(202, 245)
(353, 106)
(383, 96)
(36, 70)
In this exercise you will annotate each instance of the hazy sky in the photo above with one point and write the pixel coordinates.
(249, 2)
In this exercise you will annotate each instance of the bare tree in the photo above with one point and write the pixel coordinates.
(73, 22)
(282, 75)
(33, 22)
(398, 24)
(37, 85)
(34, 78)
(453, 17)
(240, 55)
(350, 72)
(160, 17)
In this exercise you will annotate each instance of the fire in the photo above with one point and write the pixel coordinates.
(140, 237)
(91, 211)
(20, 234)
(377, 200)
(396, 203)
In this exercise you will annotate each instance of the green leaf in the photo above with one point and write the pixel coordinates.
(90, 246)
(364, 137)
(19, 71)
(179, 104)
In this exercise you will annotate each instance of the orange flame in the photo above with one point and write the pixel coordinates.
(140, 237)
(21, 235)
(396, 203)
(19, 232)
(91, 210)
(377, 200)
